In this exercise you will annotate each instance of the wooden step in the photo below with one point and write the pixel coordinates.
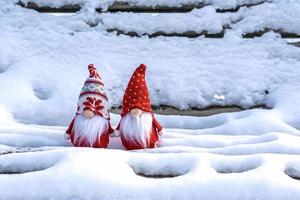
(297, 44)
(213, 110)
(283, 34)
(126, 7)
(64, 9)
(188, 34)
(193, 34)
(118, 6)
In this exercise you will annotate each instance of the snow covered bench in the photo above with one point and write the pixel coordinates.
(135, 5)
(193, 18)
(240, 70)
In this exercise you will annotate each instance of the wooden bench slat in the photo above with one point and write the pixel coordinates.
(168, 110)
(127, 7)
(47, 9)
(187, 34)
(297, 44)
(283, 34)
(193, 34)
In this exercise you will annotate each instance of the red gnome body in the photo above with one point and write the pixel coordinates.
(91, 126)
(138, 127)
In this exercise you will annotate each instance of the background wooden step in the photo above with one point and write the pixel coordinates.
(188, 34)
(126, 7)
(193, 34)
(281, 32)
(118, 6)
(64, 9)
(297, 44)
(168, 110)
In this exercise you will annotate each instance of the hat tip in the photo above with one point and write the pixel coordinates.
(91, 66)
(142, 67)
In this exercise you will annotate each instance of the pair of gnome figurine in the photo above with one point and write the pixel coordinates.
(91, 126)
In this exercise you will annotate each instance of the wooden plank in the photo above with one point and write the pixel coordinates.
(168, 110)
(193, 34)
(188, 34)
(283, 34)
(64, 9)
(115, 7)
(297, 44)
(127, 7)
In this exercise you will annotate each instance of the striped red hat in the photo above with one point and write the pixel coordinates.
(137, 94)
(92, 96)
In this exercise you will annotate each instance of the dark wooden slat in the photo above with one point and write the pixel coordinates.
(168, 110)
(115, 7)
(127, 7)
(283, 34)
(193, 34)
(43, 9)
(297, 44)
(188, 34)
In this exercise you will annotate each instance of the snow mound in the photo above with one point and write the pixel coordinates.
(25, 163)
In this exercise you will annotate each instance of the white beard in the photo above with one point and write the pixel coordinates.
(89, 129)
(137, 129)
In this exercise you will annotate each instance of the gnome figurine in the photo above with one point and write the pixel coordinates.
(91, 126)
(138, 127)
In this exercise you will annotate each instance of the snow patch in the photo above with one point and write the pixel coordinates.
(162, 166)
(237, 165)
(5, 115)
(25, 163)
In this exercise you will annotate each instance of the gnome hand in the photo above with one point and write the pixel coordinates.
(67, 136)
(88, 114)
(116, 133)
(162, 131)
(136, 112)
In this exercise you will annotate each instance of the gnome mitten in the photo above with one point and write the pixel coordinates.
(67, 136)
(116, 133)
(161, 132)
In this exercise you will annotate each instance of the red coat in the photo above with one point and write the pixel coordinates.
(152, 140)
(102, 142)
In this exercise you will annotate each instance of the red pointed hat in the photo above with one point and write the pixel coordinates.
(92, 96)
(137, 94)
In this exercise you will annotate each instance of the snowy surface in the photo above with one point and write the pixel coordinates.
(198, 20)
(244, 155)
(47, 56)
(247, 155)
(279, 15)
(229, 156)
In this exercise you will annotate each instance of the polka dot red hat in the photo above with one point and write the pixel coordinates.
(92, 96)
(137, 94)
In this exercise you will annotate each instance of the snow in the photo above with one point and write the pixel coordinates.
(279, 15)
(113, 176)
(198, 20)
(48, 56)
(253, 154)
